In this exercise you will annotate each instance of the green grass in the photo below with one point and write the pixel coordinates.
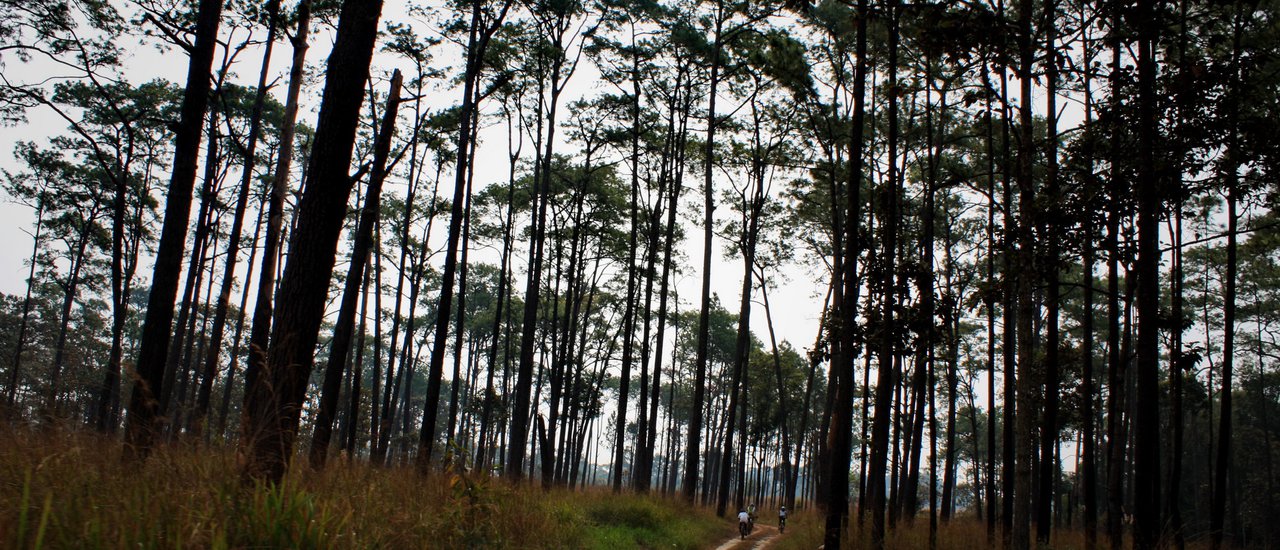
(61, 489)
(630, 521)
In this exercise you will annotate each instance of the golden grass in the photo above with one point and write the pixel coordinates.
(62, 489)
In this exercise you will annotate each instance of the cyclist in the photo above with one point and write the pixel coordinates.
(744, 523)
(782, 519)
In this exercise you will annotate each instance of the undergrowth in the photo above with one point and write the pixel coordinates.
(61, 489)
(805, 530)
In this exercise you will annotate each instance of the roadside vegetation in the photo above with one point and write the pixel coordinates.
(58, 489)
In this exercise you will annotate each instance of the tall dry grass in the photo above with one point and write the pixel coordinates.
(66, 489)
(805, 529)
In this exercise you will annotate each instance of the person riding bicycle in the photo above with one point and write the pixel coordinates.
(744, 523)
(782, 518)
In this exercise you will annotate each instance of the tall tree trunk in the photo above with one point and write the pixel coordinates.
(1009, 336)
(887, 372)
(700, 360)
(1088, 462)
(143, 404)
(15, 378)
(340, 345)
(277, 395)
(642, 418)
(237, 223)
(1045, 500)
(1173, 504)
(203, 239)
(260, 328)
(120, 285)
(991, 296)
(70, 292)
(1146, 444)
(229, 385)
(504, 282)
(629, 313)
(1028, 377)
(477, 43)
(742, 348)
(455, 383)
(520, 418)
(1116, 437)
(676, 176)
(929, 276)
(1222, 461)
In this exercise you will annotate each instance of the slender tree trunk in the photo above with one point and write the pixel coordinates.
(1028, 378)
(1146, 460)
(276, 397)
(991, 295)
(504, 279)
(460, 322)
(518, 436)
(203, 239)
(340, 344)
(1222, 461)
(887, 371)
(629, 315)
(15, 378)
(102, 419)
(70, 292)
(349, 438)
(1173, 502)
(229, 385)
(260, 328)
(845, 285)
(676, 175)
(477, 43)
(1088, 462)
(143, 405)
(1045, 499)
(237, 224)
(700, 361)
(743, 343)
(1116, 437)
(1010, 333)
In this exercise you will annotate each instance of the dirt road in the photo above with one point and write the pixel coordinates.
(758, 539)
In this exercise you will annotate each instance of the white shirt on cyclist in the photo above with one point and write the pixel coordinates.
(743, 517)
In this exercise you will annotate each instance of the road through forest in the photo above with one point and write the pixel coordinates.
(761, 537)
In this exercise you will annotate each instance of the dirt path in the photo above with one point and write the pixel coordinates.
(757, 540)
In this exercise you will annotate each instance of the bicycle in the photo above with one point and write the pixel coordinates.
(782, 524)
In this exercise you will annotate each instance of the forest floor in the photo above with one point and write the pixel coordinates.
(65, 488)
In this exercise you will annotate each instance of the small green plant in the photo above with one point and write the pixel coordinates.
(470, 514)
(24, 507)
(281, 516)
